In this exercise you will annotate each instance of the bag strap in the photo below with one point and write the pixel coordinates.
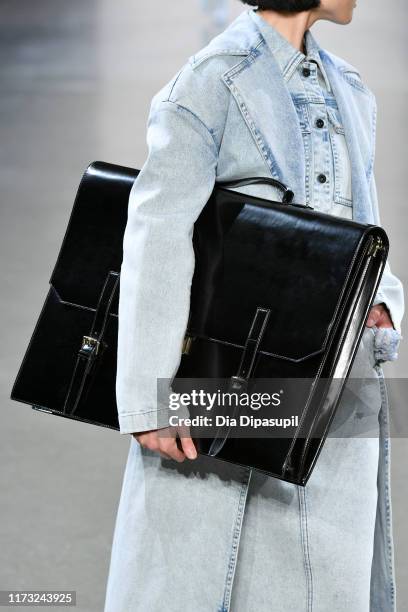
(92, 345)
(239, 382)
(288, 194)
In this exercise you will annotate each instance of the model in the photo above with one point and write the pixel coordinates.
(192, 533)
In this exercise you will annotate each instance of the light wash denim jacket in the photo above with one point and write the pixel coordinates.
(226, 114)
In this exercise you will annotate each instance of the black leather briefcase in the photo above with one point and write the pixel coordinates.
(260, 266)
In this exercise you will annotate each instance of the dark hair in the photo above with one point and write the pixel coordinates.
(289, 6)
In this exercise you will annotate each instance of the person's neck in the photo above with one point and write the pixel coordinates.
(291, 26)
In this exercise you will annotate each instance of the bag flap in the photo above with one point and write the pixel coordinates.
(93, 241)
(297, 262)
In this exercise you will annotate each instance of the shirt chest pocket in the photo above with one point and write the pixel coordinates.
(341, 161)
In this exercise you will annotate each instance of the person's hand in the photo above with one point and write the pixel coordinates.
(379, 316)
(163, 441)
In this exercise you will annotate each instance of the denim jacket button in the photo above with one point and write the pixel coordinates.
(319, 123)
(321, 178)
(306, 72)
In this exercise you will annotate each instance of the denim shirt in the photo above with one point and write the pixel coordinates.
(328, 171)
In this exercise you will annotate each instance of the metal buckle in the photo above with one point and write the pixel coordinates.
(238, 383)
(376, 245)
(90, 344)
(187, 342)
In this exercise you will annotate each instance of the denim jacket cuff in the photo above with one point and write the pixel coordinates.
(143, 421)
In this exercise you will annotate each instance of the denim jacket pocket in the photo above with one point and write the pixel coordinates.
(342, 175)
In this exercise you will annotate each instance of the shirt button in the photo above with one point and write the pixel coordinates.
(319, 123)
(321, 178)
(306, 72)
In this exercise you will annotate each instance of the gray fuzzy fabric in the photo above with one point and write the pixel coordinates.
(386, 343)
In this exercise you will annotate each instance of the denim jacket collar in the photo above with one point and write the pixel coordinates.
(287, 56)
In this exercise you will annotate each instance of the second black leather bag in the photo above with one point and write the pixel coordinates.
(260, 266)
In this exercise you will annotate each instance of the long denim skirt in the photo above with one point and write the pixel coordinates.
(210, 536)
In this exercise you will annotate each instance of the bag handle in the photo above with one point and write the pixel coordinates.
(287, 193)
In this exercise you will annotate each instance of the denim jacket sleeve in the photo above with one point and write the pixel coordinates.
(390, 290)
(166, 198)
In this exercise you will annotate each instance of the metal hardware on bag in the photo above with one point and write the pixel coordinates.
(288, 196)
(40, 409)
(187, 342)
(288, 199)
(90, 344)
(238, 383)
(376, 245)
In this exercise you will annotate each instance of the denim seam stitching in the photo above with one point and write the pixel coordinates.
(207, 129)
(259, 140)
(174, 82)
(307, 145)
(235, 540)
(353, 82)
(125, 414)
(194, 63)
(339, 199)
(373, 140)
(246, 61)
(391, 579)
(305, 546)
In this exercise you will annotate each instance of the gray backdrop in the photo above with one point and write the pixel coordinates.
(76, 82)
